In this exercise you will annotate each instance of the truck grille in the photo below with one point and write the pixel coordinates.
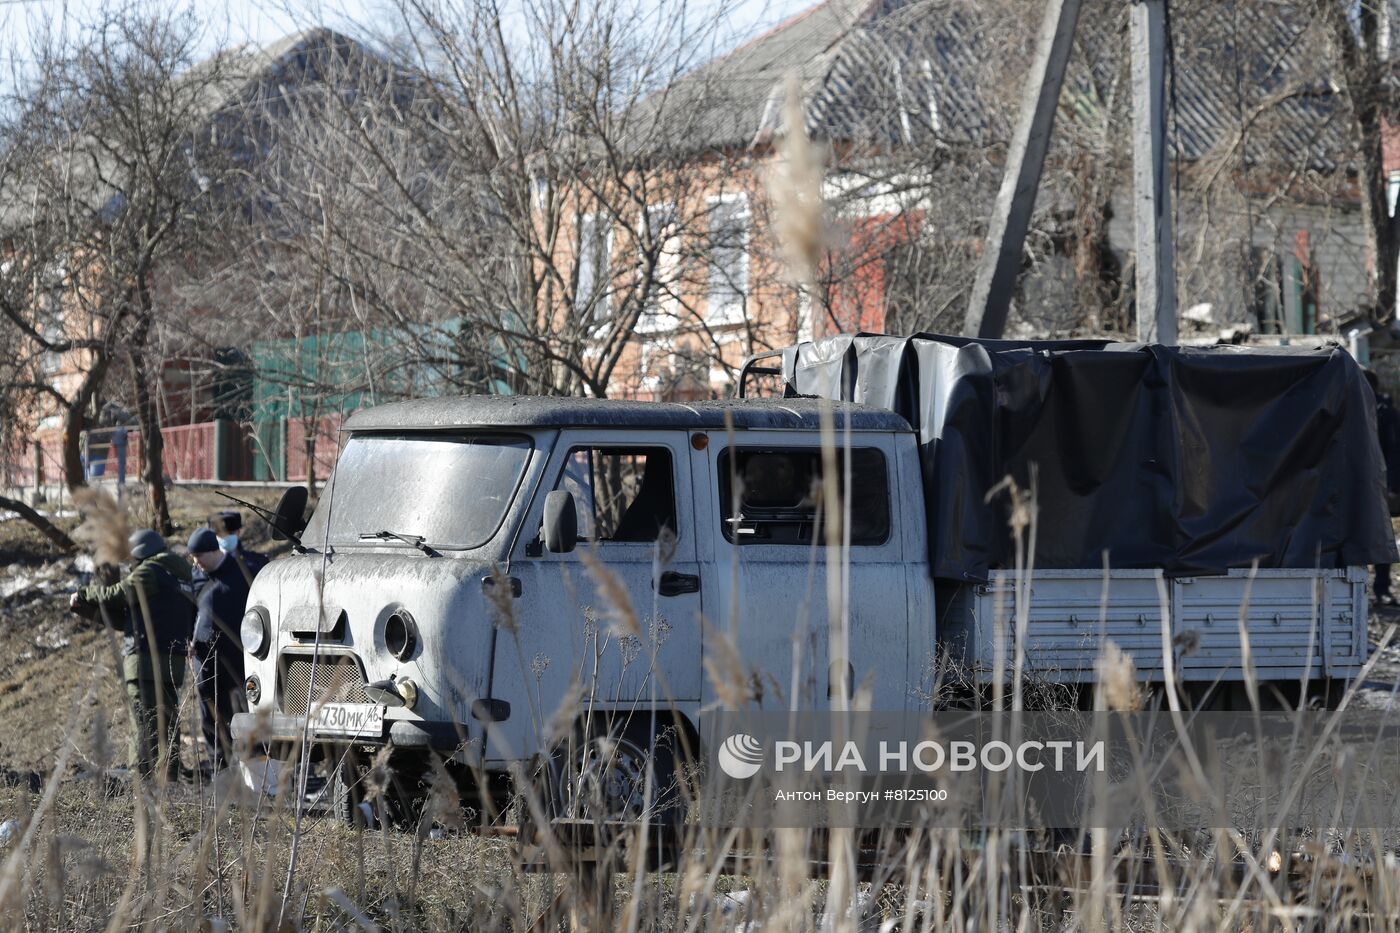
(338, 679)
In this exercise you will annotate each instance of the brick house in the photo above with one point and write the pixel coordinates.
(1269, 227)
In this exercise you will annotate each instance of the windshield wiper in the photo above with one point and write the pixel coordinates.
(417, 541)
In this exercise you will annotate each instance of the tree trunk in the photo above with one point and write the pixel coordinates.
(1366, 78)
(152, 441)
(75, 422)
(1375, 209)
(308, 444)
(152, 446)
(46, 527)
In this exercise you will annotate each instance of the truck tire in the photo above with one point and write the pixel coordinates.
(401, 802)
(600, 773)
(349, 803)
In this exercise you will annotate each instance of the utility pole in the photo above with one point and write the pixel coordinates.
(1006, 234)
(1152, 210)
(1011, 217)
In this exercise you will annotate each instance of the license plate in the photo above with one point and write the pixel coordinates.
(357, 719)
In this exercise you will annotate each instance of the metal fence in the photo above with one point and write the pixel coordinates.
(277, 449)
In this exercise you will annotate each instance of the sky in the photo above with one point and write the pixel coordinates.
(263, 21)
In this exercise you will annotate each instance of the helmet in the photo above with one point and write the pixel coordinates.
(145, 543)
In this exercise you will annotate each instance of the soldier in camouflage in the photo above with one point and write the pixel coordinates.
(153, 608)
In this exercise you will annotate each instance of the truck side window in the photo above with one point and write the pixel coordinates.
(622, 494)
(778, 494)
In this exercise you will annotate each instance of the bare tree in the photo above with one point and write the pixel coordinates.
(1362, 67)
(507, 209)
(110, 170)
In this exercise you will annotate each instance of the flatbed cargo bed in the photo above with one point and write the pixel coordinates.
(1296, 624)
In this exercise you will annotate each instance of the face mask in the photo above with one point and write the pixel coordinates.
(229, 543)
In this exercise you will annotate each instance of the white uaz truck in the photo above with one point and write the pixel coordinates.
(491, 579)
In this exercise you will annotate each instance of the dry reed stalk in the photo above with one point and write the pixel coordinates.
(795, 191)
(616, 598)
(104, 529)
(1117, 680)
(725, 669)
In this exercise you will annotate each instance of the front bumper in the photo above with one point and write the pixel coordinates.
(253, 729)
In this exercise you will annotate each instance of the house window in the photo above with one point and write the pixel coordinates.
(52, 327)
(539, 190)
(621, 494)
(662, 237)
(1303, 287)
(777, 492)
(655, 359)
(729, 259)
(806, 325)
(594, 253)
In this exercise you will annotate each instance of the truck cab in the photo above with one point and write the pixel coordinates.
(482, 576)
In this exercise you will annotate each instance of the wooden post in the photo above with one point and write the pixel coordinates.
(1152, 203)
(1011, 217)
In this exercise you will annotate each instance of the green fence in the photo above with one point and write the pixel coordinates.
(313, 380)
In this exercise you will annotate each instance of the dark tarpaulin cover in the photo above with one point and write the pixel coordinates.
(1192, 459)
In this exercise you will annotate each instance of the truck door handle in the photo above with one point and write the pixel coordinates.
(674, 584)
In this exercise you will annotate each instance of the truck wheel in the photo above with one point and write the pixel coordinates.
(600, 774)
(349, 794)
(401, 801)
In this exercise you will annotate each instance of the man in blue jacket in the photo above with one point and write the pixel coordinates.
(227, 525)
(221, 582)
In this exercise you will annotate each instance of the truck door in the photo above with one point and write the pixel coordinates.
(619, 616)
(773, 592)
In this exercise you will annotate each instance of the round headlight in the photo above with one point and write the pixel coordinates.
(253, 631)
(400, 635)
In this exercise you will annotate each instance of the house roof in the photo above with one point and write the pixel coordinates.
(205, 91)
(904, 70)
(526, 411)
(225, 77)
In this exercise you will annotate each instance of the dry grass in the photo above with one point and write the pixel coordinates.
(93, 854)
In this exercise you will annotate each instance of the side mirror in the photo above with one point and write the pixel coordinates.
(289, 520)
(560, 522)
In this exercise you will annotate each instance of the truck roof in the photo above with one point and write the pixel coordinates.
(532, 411)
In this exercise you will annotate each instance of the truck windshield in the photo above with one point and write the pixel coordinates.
(450, 490)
